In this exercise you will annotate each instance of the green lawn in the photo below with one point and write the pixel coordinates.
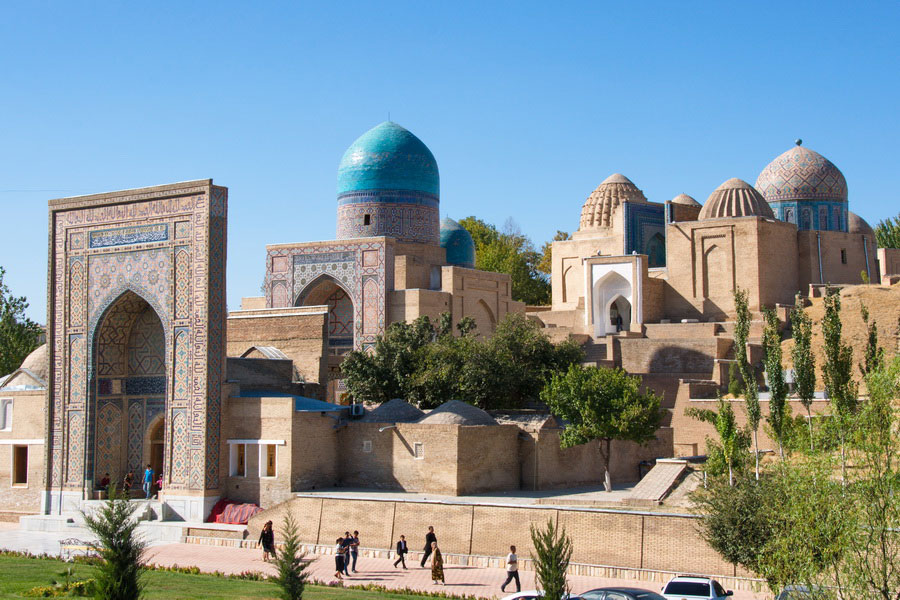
(18, 575)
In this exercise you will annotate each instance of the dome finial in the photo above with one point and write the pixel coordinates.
(798, 141)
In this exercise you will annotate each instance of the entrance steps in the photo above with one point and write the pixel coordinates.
(657, 484)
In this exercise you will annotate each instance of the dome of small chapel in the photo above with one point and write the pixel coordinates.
(604, 201)
(735, 198)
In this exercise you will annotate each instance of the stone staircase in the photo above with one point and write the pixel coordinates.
(657, 484)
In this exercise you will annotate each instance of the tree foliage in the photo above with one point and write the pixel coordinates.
(552, 553)
(602, 404)
(546, 263)
(887, 233)
(873, 358)
(804, 362)
(18, 335)
(728, 454)
(428, 365)
(292, 574)
(511, 252)
(119, 575)
(750, 389)
(801, 524)
(838, 372)
(778, 409)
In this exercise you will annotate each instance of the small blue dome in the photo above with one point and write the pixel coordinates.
(458, 243)
(388, 157)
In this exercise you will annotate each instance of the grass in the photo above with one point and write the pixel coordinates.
(20, 574)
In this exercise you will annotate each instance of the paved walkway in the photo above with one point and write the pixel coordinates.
(480, 582)
(474, 581)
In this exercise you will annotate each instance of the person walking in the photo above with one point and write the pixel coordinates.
(437, 564)
(402, 550)
(267, 541)
(354, 550)
(148, 481)
(346, 543)
(430, 541)
(339, 549)
(512, 570)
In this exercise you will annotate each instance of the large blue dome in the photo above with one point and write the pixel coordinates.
(458, 243)
(388, 157)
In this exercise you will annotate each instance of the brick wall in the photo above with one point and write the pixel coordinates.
(301, 333)
(28, 425)
(619, 538)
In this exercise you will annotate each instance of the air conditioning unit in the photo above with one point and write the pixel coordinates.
(357, 411)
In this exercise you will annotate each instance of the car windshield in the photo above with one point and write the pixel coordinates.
(688, 588)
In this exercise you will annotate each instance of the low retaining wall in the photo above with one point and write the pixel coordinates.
(606, 542)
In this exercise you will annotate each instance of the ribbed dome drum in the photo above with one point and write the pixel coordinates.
(735, 198)
(604, 201)
(388, 185)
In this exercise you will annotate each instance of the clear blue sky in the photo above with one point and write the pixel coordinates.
(527, 106)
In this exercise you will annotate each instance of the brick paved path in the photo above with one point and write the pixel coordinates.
(480, 582)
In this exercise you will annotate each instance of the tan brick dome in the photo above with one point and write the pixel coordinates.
(37, 362)
(685, 199)
(604, 201)
(856, 224)
(735, 198)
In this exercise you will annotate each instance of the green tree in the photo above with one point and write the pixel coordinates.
(552, 553)
(119, 574)
(778, 409)
(873, 358)
(292, 574)
(750, 388)
(887, 233)
(510, 252)
(18, 335)
(729, 451)
(804, 363)
(838, 374)
(602, 404)
(546, 263)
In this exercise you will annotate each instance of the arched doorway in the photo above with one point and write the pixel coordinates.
(128, 390)
(609, 289)
(619, 314)
(341, 318)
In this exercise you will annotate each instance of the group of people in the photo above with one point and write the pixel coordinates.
(346, 553)
(148, 482)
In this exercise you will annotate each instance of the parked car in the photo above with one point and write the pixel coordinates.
(533, 595)
(694, 588)
(620, 593)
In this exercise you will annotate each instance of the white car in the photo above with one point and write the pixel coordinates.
(694, 588)
(533, 595)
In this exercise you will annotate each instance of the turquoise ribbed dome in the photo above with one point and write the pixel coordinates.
(458, 243)
(388, 157)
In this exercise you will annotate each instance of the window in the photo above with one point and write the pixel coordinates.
(843, 256)
(6, 407)
(419, 450)
(367, 446)
(267, 454)
(238, 460)
(20, 465)
(367, 219)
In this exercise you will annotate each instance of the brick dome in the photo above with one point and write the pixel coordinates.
(735, 198)
(604, 201)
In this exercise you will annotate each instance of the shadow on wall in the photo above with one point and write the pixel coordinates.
(675, 359)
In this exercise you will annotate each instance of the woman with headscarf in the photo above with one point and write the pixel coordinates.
(267, 541)
(437, 564)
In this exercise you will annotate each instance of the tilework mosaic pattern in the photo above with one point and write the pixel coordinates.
(802, 174)
(109, 441)
(348, 263)
(396, 218)
(126, 242)
(645, 231)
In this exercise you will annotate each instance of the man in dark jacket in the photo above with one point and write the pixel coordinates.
(430, 538)
(401, 552)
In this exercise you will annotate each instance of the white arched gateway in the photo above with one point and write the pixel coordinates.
(613, 293)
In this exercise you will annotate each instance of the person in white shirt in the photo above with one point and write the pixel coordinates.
(512, 570)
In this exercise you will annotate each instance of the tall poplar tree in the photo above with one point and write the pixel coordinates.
(778, 410)
(804, 362)
(750, 388)
(838, 373)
